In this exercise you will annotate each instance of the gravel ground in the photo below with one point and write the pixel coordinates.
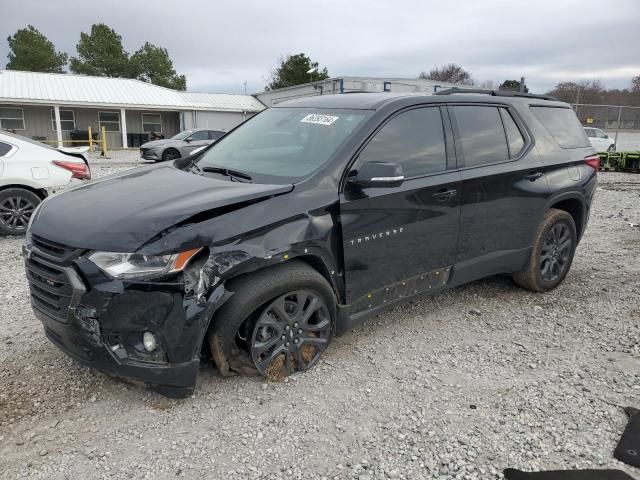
(459, 385)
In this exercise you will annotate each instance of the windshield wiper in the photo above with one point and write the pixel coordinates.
(194, 166)
(235, 175)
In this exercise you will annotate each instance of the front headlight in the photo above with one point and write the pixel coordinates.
(134, 265)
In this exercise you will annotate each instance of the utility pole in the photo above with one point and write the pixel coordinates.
(615, 141)
(245, 87)
(521, 84)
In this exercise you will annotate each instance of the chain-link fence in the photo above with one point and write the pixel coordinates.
(621, 123)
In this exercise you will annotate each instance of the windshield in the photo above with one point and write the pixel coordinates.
(283, 144)
(182, 135)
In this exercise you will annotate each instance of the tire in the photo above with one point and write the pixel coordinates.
(612, 148)
(235, 327)
(540, 274)
(170, 154)
(16, 207)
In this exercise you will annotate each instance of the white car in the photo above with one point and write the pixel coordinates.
(600, 140)
(31, 171)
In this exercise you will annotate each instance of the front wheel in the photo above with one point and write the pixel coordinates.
(554, 246)
(278, 322)
(16, 207)
(612, 148)
(170, 154)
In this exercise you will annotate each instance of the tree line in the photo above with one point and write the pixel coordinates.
(99, 52)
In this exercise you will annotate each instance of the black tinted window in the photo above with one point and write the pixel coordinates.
(514, 135)
(215, 134)
(413, 139)
(480, 137)
(563, 125)
(4, 149)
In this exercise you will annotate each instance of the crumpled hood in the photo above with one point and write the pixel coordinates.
(123, 212)
(158, 143)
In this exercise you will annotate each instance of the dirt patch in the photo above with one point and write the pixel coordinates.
(276, 371)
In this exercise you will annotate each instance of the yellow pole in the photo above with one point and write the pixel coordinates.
(90, 140)
(104, 142)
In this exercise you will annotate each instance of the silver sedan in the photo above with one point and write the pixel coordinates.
(180, 145)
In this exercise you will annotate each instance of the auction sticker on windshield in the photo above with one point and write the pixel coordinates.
(319, 119)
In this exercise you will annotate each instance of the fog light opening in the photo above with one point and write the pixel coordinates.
(149, 341)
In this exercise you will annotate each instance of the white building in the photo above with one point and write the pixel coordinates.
(339, 85)
(33, 104)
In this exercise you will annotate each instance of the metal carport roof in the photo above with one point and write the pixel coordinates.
(81, 90)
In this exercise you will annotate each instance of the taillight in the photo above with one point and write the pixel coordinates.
(77, 169)
(593, 161)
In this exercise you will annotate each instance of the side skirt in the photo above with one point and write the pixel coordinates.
(505, 261)
(373, 303)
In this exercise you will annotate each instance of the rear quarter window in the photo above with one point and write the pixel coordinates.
(4, 149)
(563, 125)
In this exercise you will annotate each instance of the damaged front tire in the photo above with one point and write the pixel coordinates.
(278, 322)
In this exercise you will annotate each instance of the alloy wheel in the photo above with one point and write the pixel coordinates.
(556, 252)
(15, 213)
(170, 155)
(290, 334)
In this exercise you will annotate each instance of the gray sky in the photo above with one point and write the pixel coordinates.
(220, 44)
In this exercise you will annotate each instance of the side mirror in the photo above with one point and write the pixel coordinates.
(188, 139)
(378, 175)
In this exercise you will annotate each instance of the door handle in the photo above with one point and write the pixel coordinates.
(444, 194)
(532, 177)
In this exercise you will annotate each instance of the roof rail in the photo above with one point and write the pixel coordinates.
(494, 93)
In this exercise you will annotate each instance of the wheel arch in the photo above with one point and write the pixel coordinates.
(312, 260)
(574, 205)
(40, 192)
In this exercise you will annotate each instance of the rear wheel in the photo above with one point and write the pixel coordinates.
(553, 249)
(278, 322)
(170, 154)
(612, 148)
(16, 207)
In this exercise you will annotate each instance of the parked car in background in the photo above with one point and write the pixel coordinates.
(600, 140)
(307, 219)
(181, 145)
(31, 171)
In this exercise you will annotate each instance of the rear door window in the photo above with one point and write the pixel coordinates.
(413, 139)
(480, 136)
(563, 125)
(515, 139)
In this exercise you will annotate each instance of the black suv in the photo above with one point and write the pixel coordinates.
(301, 223)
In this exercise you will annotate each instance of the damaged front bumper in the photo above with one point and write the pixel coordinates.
(100, 321)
